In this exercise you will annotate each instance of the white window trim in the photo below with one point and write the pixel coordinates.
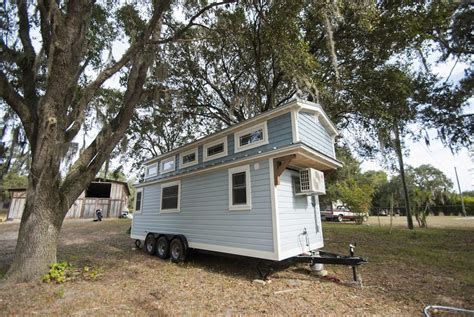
(165, 185)
(162, 163)
(239, 169)
(210, 144)
(147, 175)
(237, 135)
(181, 155)
(139, 190)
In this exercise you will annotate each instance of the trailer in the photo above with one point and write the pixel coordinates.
(250, 190)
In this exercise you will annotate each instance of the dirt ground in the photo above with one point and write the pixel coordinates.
(406, 272)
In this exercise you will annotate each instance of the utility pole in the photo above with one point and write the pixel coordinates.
(460, 193)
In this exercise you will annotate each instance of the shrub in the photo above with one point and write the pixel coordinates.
(58, 272)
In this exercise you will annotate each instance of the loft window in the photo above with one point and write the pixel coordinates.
(239, 188)
(152, 170)
(215, 149)
(167, 165)
(189, 158)
(138, 200)
(252, 137)
(98, 190)
(170, 197)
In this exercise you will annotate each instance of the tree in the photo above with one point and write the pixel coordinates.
(251, 60)
(430, 186)
(49, 81)
(348, 184)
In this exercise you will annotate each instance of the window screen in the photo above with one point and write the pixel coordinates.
(170, 197)
(215, 149)
(251, 137)
(168, 165)
(152, 170)
(138, 202)
(239, 190)
(188, 158)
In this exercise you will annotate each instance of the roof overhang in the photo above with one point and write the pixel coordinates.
(304, 157)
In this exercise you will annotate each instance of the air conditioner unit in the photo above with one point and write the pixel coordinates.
(311, 182)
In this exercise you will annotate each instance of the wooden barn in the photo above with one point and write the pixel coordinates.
(109, 195)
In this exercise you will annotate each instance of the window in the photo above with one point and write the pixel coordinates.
(170, 197)
(239, 188)
(138, 200)
(167, 165)
(251, 137)
(215, 149)
(151, 170)
(188, 158)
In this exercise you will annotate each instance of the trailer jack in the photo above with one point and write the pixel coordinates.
(317, 257)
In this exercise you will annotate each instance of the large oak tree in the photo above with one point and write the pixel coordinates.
(53, 63)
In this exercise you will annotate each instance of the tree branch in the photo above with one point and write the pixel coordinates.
(179, 33)
(29, 56)
(17, 103)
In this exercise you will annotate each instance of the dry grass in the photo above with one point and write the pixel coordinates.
(406, 271)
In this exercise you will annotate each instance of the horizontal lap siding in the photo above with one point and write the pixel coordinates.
(279, 136)
(314, 134)
(205, 216)
(295, 214)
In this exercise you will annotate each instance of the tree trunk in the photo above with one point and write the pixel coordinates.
(38, 236)
(398, 148)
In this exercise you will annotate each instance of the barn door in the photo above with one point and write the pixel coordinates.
(90, 206)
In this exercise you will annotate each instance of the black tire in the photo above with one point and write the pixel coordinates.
(150, 244)
(162, 247)
(339, 218)
(177, 250)
(365, 218)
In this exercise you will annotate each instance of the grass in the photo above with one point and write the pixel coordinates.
(407, 270)
(447, 251)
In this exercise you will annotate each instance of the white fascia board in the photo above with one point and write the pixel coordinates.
(275, 218)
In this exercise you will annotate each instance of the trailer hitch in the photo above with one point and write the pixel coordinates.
(266, 267)
(323, 257)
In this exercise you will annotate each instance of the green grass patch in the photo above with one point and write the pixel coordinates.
(447, 251)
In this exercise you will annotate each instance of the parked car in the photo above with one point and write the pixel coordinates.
(340, 213)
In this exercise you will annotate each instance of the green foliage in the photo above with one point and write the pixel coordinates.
(11, 180)
(58, 273)
(63, 271)
(348, 184)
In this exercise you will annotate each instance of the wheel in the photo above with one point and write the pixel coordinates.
(150, 244)
(365, 218)
(162, 247)
(339, 218)
(177, 250)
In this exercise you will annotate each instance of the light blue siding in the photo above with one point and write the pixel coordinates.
(295, 214)
(314, 134)
(279, 136)
(205, 217)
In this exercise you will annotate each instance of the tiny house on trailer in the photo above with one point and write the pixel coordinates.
(251, 189)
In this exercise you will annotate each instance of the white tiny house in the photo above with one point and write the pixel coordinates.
(251, 189)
